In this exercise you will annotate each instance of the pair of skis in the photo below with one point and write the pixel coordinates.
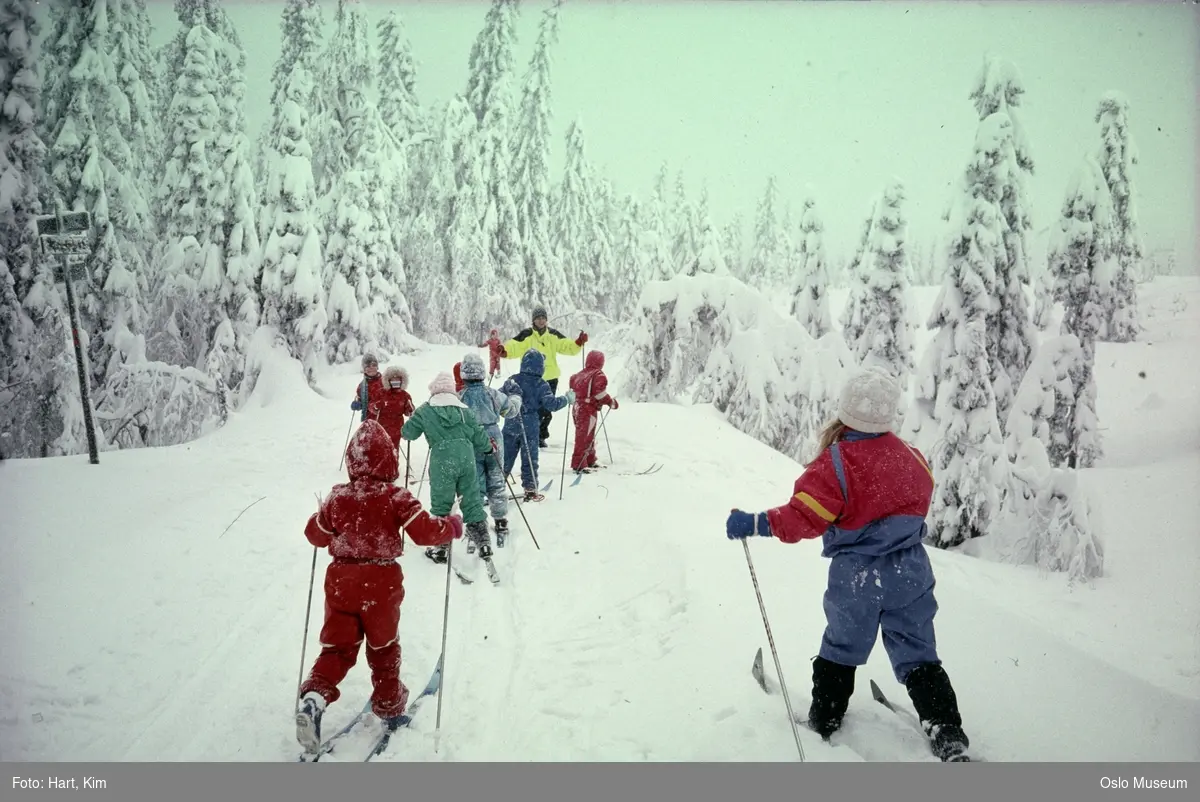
(877, 694)
(381, 742)
(655, 467)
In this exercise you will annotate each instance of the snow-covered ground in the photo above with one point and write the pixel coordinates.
(136, 626)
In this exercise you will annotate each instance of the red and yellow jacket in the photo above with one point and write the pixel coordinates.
(868, 494)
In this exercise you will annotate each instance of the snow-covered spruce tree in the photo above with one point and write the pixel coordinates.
(1118, 156)
(1080, 258)
(1049, 522)
(713, 339)
(975, 226)
(1011, 335)
(398, 106)
(658, 227)
(1044, 406)
(489, 94)
(579, 237)
(684, 238)
(367, 306)
(293, 296)
(136, 67)
(468, 261)
(732, 245)
(710, 257)
(92, 167)
(629, 265)
(854, 277)
(546, 280)
(769, 241)
(969, 461)
(301, 26)
(810, 301)
(886, 341)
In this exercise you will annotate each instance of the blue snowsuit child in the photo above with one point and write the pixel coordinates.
(489, 406)
(521, 432)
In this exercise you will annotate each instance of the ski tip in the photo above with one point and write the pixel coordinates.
(877, 693)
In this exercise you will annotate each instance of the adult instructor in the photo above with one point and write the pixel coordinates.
(550, 342)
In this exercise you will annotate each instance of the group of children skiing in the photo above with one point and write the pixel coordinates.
(866, 495)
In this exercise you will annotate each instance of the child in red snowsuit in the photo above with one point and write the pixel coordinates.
(366, 399)
(459, 384)
(495, 348)
(590, 386)
(361, 522)
(395, 405)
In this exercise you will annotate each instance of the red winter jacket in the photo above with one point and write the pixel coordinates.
(495, 349)
(394, 406)
(459, 384)
(591, 385)
(362, 519)
(369, 390)
(867, 493)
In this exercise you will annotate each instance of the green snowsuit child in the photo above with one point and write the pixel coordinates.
(455, 439)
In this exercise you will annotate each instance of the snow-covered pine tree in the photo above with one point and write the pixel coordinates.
(658, 228)
(1080, 257)
(468, 260)
(684, 239)
(367, 306)
(292, 292)
(301, 26)
(1044, 406)
(732, 245)
(710, 257)
(769, 239)
(578, 235)
(1118, 156)
(886, 341)
(92, 166)
(810, 302)
(136, 66)
(1011, 336)
(855, 278)
(546, 280)
(398, 106)
(969, 461)
(630, 270)
(489, 93)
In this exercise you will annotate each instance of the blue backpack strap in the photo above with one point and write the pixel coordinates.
(839, 469)
(363, 396)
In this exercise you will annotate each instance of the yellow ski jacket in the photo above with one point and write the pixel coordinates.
(550, 342)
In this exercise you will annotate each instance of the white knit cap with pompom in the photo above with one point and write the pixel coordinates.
(442, 383)
(870, 402)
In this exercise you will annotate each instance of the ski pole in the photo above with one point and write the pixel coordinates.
(526, 455)
(771, 640)
(508, 481)
(348, 430)
(606, 442)
(562, 481)
(437, 733)
(307, 615)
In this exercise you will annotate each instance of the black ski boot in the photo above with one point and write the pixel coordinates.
(501, 532)
(833, 684)
(937, 706)
(308, 721)
(437, 554)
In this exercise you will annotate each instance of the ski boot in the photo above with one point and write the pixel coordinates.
(531, 494)
(470, 547)
(833, 685)
(437, 554)
(937, 706)
(543, 443)
(501, 532)
(308, 721)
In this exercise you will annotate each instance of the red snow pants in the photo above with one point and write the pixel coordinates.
(362, 601)
(586, 420)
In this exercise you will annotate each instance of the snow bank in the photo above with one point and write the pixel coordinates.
(713, 339)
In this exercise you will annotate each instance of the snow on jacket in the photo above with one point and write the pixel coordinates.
(548, 342)
(393, 406)
(363, 518)
(451, 429)
(590, 384)
(535, 393)
(868, 494)
(489, 406)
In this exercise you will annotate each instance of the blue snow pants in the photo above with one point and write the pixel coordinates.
(490, 474)
(514, 443)
(893, 593)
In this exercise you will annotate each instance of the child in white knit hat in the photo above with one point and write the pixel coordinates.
(866, 496)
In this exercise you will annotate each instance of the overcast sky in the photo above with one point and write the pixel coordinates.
(842, 95)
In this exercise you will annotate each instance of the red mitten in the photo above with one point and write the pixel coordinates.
(614, 404)
(456, 524)
(582, 338)
(495, 448)
(503, 352)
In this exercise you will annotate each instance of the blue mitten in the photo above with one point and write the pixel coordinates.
(356, 405)
(744, 524)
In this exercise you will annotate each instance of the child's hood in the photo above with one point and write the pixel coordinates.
(533, 363)
(396, 372)
(594, 361)
(441, 401)
(371, 454)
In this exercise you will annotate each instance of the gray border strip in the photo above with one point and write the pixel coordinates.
(606, 782)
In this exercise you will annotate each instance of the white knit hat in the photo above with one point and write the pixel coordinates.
(442, 383)
(870, 402)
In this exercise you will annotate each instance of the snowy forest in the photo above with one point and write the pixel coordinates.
(359, 220)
